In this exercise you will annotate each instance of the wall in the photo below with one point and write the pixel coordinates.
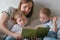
(5, 4)
(52, 4)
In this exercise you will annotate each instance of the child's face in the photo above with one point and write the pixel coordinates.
(22, 21)
(43, 18)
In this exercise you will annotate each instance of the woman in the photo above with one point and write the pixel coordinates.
(6, 22)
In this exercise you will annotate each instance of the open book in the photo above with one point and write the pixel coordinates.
(31, 31)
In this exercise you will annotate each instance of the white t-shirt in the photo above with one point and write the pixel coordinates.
(17, 29)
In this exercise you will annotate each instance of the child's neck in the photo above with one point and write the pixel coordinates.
(46, 22)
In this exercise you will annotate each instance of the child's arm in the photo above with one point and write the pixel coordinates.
(54, 19)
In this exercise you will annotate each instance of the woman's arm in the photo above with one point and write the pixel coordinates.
(3, 20)
(3, 28)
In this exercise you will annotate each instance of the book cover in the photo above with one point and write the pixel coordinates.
(31, 31)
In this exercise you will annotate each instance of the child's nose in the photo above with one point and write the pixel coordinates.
(27, 9)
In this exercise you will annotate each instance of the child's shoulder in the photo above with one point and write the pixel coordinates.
(15, 24)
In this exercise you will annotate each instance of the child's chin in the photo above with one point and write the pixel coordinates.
(42, 22)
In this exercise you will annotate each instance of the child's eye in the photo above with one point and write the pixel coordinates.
(25, 7)
(20, 20)
(23, 19)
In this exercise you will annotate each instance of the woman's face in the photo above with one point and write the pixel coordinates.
(26, 8)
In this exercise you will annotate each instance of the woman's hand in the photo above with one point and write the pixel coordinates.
(17, 35)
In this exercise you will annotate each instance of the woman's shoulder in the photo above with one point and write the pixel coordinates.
(11, 8)
(9, 11)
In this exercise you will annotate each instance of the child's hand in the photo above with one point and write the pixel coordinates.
(54, 19)
(54, 24)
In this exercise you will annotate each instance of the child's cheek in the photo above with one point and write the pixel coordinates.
(41, 20)
(20, 23)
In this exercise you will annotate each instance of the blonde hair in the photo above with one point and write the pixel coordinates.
(18, 14)
(46, 11)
